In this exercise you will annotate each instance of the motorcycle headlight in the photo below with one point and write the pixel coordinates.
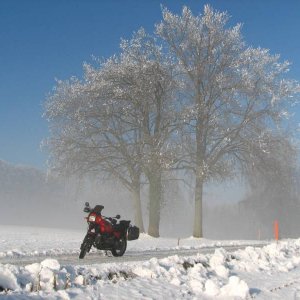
(92, 218)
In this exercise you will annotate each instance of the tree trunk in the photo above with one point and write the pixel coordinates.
(138, 216)
(200, 156)
(198, 208)
(155, 197)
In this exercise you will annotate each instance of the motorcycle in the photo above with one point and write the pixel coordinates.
(106, 233)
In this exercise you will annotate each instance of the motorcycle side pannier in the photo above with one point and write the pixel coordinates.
(133, 233)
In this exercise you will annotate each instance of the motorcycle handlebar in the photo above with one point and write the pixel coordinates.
(88, 210)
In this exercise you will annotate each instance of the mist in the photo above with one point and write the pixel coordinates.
(28, 197)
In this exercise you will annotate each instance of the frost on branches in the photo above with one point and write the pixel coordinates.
(235, 96)
(119, 120)
(192, 96)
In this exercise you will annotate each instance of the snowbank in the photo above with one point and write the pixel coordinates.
(197, 277)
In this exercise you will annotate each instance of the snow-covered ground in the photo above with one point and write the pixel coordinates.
(271, 272)
(18, 241)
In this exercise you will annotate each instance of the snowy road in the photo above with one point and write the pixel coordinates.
(96, 258)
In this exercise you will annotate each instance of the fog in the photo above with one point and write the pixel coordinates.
(28, 197)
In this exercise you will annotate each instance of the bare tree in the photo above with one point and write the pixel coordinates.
(234, 95)
(87, 134)
(118, 120)
(227, 101)
(272, 180)
(152, 96)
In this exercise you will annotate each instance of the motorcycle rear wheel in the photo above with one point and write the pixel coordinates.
(121, 248)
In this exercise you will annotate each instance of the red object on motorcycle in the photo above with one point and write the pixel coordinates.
(105, 226)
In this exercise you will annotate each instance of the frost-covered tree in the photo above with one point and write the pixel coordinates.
(153, 95)
(234, 95)
(226, 100)
(88, 135)
(118, 120)
(273, 180)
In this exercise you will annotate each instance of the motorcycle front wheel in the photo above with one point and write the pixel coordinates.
(82, 253)
(86, 245)
(120, 247)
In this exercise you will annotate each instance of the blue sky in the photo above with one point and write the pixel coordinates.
(42, 40)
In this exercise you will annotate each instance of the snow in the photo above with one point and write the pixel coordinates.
(7, 279)
(270, 272)
(235, 287)
(16, 241)
(166, 277)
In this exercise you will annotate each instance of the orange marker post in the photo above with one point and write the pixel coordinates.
(276, 230)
